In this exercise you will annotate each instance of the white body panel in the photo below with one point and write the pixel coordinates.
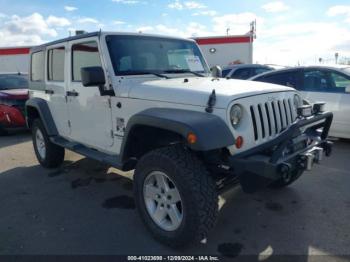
(339, 104)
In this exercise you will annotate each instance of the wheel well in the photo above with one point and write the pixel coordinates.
(32, 114)
(143, 139)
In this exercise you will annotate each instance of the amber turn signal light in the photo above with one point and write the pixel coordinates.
(191, 138)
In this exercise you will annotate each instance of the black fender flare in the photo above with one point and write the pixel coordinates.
(43, 109)
(211, 131)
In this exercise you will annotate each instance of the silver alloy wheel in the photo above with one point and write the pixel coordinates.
(163, 201)
(40, 143)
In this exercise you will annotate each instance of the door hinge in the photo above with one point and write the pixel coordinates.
(66, 98)
(109, 103)
(69, 124)
(112, 133)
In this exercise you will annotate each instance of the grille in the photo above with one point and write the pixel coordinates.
(271, 118)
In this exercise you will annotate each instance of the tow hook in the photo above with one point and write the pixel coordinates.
(310, 157)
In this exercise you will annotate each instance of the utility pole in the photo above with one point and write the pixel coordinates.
(336, 55)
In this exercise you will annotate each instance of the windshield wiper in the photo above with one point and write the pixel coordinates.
(144, 73)
(181, 71)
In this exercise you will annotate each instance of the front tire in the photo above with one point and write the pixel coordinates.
(175, 196)
(48, 154)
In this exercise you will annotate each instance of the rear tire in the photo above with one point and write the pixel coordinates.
(48, 154)
(196, 201)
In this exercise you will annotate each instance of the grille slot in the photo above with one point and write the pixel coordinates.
(271, 118)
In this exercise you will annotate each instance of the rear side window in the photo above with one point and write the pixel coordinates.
(37, 67)
(84, 55)
(286, 79)
(55, 62)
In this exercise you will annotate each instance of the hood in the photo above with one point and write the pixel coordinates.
(196, 91)
(19, 94)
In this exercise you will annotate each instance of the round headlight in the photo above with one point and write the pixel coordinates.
(236, 114)
(297, 101)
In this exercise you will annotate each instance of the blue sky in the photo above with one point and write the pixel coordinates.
(288, 32)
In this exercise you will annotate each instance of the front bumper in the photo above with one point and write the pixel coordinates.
(295, 150)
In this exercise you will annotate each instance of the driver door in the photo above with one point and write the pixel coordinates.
(90, 113)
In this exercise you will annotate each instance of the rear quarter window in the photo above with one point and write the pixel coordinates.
(37, 67)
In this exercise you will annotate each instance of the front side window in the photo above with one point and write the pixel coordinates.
(339, 81)
(135, 55)
(37, 67)
(316, 80)
(56, 64)
(84, 55)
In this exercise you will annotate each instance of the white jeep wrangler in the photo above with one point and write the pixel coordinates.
(149, 103)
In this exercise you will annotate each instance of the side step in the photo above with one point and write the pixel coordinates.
(112, 160)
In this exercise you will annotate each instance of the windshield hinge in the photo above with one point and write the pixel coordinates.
(69, 124)
(211, 102)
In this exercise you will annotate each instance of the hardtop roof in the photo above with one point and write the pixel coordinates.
(100, 33)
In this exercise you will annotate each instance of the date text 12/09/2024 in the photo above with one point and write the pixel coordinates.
(173, 258)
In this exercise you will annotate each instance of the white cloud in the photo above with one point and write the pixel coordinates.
(194, 5)
(29, 30)
(32, 24)
(338, 10)
(178, 5)
(127, 2)
(275, 7)
(304, 42)
(70, 8)
(118, 22)
(87, 20)
(57, 21)
(205, 13)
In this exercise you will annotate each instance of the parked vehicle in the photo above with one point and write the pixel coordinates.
(244, 71)
(149, 103)
(13, 94)
(319, 83)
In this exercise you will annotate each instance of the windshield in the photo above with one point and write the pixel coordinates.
(135, 55)
(8, 81)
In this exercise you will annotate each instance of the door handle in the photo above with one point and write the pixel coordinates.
(49, 92)
(72, 93)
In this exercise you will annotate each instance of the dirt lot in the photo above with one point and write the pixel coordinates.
(87, 208)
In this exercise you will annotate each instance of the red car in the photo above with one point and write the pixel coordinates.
(13, 95)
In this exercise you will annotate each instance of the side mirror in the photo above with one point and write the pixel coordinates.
(92, 76)
(347, 89)
(216, 71)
